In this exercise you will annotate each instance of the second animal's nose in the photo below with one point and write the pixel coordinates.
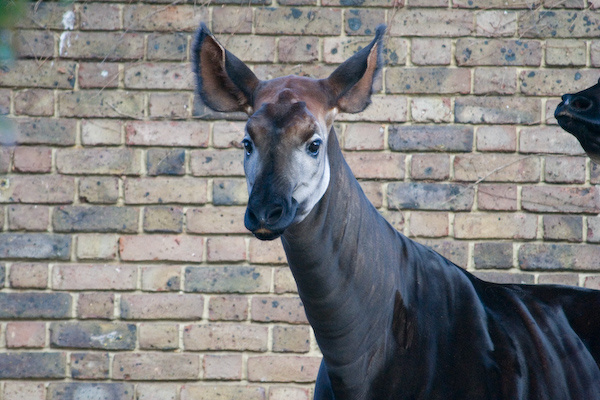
(577, 103)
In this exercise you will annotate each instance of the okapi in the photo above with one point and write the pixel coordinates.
(393, 319)
(579, 114)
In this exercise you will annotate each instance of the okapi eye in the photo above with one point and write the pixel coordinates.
(248, 146)
(313, 147)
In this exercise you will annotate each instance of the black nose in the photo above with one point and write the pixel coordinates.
(264, 215)
(577, 102)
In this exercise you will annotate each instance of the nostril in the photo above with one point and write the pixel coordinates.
(580, 103)
(251, 217)
(274, 215)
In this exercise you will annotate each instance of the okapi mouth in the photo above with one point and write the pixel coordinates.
(266, 234)
(586, 131)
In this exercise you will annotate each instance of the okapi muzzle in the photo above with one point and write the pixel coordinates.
(579, 114)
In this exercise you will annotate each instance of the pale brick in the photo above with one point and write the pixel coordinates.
(565, 52)
(160, 190)
(161, 278)
(95, 219)
(49, 16)
(377, 165)
(163, 219)
(146, 17)
(251, 48)
(98, 132)
(225, 336)
(104, 104)
(431, 23)
(291, 339)
(283, 368)
(232, 20)
(28, 217)
(57, 132)
(430, 167)
(592, 282)
(284, 281)
(426, 51)
(94, 277)
(362, 21)
(593, 229)
(95, 390)
(216, 220)
(217, 162)
(158, 336)
(497, 110)
(223, 367)
(100, 16)
(471, 52)
(89, 365)
(172, 106)
(266, 252)
(430, 196)
(561, 199)
(223, 248)
(429, 224)
(428, 80)
(498, 197)
(496, 168)
(454, 251)
(27, 275)
(564, 169)
(161, 247)
(496, 138)
(161, 133)
(31, 73)
(164, 75)
(389, 108)
(489, 255)
(228, 308)
(431, 109)
(41, 189)
(549, 139)
(558, 279)
(551, 105)
(229, 192)
(362, 136)
(495, 226)
(556, 82)
(294, 21)
(98, 75)
(506, 277)
(96, 305)
(35, 102)
(228, 279)
(32, 159)
(557, 256)
(278, 309)
(211, 392)
(170, 46)
(559, 23)
(563, 227)
(227, 134)
(337, 49)
(25, 334)
(156, 391)
(430, 138)
(93, 335)
(103, 190)
(156, 366)
(37, 44)
(162, 306)
(298, 49)
(102, 45)
(288, 393)
(24, 390)
(495, 23)
(495, 80)
(97, 247)
(373, 191)
(34, 305)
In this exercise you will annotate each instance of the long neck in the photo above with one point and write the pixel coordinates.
(340, 257)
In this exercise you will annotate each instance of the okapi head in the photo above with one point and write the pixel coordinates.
(290, 120)
(579, 114)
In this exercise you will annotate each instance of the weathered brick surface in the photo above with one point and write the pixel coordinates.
(122, 196)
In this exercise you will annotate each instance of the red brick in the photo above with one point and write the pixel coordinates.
(41, 189)
(431, 51)
(27, 275)
(161, 247)
(376, 165)
(161, 278)
(98, 16)
(172, 106)
(228, 308)
(223, 367)
(431, 23)
(216, 220)
(24, 390)
(285, 21)
(28, 217)
(103, 104)
(550, 139)
(160, 133)
(96, 305)
(561, 199)
(430, 167)
(98, 75)
(373, 191)
(496, 138)
(32, 159)
(300, 369)
(89, 365)
(25, 334)
(486, 51)
(428, 224)
(158, 336)
(592, 282)
(232, 20)
(291, 339)
(156, 366)
(156, 391)
(162, 306)
(496, 168)
(217, 162)
(163, 190)
(225, 336)
(211, 392)
(36, 102)
(146, 17)
(563, 227)
(97, 132)
(94, 277)
(593, 230)
(226, 249)
(102, 45)
(564, 169)
(158, 76)
(428, 80)
(498, 197)
(278, 309)
(362, 136)
(495, 226)
(431, 109)
(494, 23)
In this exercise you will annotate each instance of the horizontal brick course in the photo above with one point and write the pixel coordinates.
(93, 335)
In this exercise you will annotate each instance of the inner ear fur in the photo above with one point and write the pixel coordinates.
(351, 84)
(223, 82)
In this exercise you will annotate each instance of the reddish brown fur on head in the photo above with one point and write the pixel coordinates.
(290, 118)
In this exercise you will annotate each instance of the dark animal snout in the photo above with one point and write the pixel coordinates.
(577, 102)
(268, 220)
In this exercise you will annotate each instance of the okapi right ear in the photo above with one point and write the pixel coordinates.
(222, 81)
(352, 82)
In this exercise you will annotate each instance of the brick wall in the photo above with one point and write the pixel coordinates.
(124, 263)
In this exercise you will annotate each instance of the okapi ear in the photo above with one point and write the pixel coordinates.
(222, 81)
(352, 82)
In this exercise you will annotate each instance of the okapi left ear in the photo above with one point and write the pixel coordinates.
(222, 81)
(352, 82)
